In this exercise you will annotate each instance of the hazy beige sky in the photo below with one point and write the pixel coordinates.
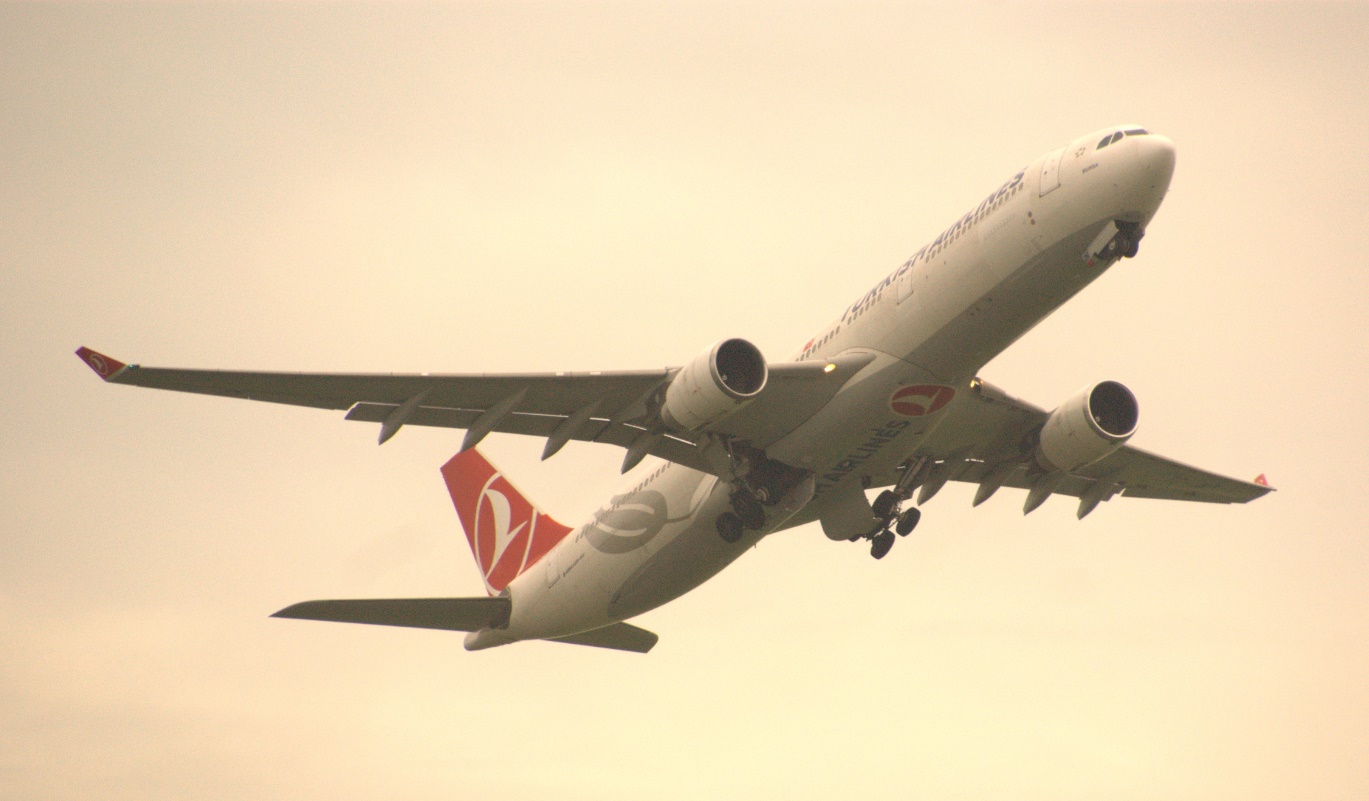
(511, 186)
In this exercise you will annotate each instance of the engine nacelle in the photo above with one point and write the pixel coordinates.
(1087, 427)
(715, 384)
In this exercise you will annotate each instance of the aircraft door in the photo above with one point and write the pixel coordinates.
(1050, 172)
(905, 284)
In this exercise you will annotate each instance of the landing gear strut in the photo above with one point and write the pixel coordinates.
(746, 513)
(888, 509)
(756, 482)
(749, 509)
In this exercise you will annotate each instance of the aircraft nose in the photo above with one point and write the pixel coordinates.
(1151, 167)
(1157, 157)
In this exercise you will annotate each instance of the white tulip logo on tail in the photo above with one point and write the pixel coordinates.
(494, 521)
(507, 534)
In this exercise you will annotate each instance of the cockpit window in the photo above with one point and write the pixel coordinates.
(1113, 137)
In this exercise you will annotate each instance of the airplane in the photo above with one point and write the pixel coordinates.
(886, 397)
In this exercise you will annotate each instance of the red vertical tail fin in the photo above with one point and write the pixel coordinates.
(507, 533)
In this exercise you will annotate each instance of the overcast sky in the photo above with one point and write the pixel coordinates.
(508, 186)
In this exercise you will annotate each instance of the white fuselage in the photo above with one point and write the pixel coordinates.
(936, 320)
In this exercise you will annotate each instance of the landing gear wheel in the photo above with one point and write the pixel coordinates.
(729, 527)
(884, 504)
(1129, 247)
(749, 510)
(881, 543)
(908, 521)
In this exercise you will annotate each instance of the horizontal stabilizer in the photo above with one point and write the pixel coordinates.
(618, 636)
(450, 614)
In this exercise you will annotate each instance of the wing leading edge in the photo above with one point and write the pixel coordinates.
(608, 407)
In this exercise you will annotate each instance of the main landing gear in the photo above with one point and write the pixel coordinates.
(888, 510)
(762, 482)
(746, 513)
(730, 527)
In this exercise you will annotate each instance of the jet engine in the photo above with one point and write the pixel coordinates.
(715, 384)
(1098, 420)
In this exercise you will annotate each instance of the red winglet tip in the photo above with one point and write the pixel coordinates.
(104, 366)
(1261, 480)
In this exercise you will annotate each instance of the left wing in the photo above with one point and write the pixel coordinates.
(610, 407)
(984, 441)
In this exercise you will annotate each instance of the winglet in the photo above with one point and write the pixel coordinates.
(104, 366)
(1261, 480)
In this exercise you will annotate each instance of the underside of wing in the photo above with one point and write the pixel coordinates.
(990, 439)
(1137, 474)
(621, 408)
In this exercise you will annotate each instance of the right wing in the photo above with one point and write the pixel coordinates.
(609, 407)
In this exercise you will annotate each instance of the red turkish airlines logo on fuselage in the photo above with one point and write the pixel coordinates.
(506, 533)
(920, 399)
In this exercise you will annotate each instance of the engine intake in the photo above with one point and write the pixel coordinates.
(1098, 420)
(714, 385)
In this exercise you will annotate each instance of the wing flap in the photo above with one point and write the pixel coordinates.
(670, 448)
(448, 614)
(1139, 475)
(1146, 475)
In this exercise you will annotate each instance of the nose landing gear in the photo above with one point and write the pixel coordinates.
(1128, 240)
(1118, 240)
